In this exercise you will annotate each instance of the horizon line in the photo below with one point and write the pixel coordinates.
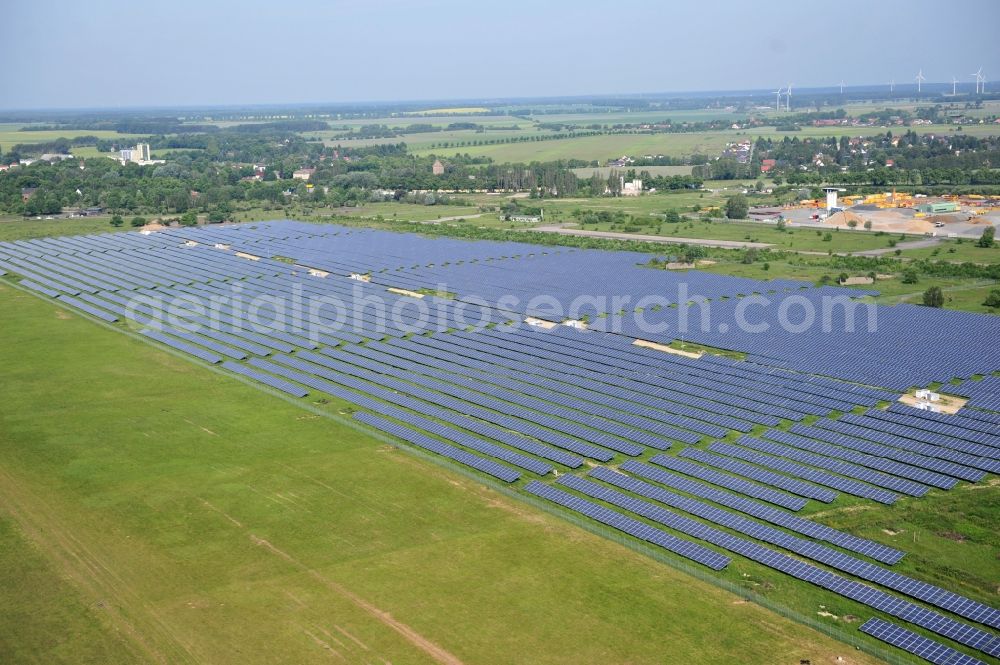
(680, 94)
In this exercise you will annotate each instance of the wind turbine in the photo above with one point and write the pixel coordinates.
(980, 81)
(788, 98)
(920, 79)
(777, 103)
(841, 86)
(954, 83)
(892, 85)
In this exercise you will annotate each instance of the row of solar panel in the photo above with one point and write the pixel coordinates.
(876, 430)
(918, 645)
(913, 473)
(737, 500)
(519, 377)
(928, 593)
(846, 485)
(514, 390)
(633, 527)
(842, 434)
(954, 425)
(488, 467)
(860, 592)
(790, 393)
(716, 392)
(357, 392)
(549, 417)
(517, 422)
(624, 394)
(701, 399)
(965, 419)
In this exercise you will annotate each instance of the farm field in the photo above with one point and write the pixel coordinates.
(952, 250)
(604, 171)
(607, 146)
(11, 135)
(599, 147)
(16, 228)
(410, 211)
(795, 239)
(223, 520)
(965, 294)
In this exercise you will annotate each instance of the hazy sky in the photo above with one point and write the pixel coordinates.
(108, 53)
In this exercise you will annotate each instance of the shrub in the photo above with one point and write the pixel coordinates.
(737, 207)
(986, 240)
(933, 297)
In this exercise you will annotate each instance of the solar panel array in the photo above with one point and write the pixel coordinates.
(518, 403)
(488, 467)
(489, 270)
(862, 593)
(918, 645)
(982, 394)
(633, 527)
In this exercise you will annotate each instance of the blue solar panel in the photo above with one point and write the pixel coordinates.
(838, 466)
(863, 593)
(842, 434)
(616, 520)
(914, 473)
(901, 425)
(845, 485)
(918, 645)
(929, 593)
(488, 467)
(960, 464)
(525, 423)
(266, 379)
(182, 346)
(731, 482)
(767, 513)
(38, 287)
(101, 314)
(786, 483)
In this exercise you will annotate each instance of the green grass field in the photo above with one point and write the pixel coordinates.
(599, 147)
(605, 147)
(11, 135)
(799, 239)
(18, 228)
(605, 171)
(153, 510)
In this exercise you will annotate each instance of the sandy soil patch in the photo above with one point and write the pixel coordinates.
(405, 292)
(540, 323)
(948, 404)
(667, 349)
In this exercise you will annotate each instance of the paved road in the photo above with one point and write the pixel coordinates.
(725, 244)
(453, 218)
(909, 244)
